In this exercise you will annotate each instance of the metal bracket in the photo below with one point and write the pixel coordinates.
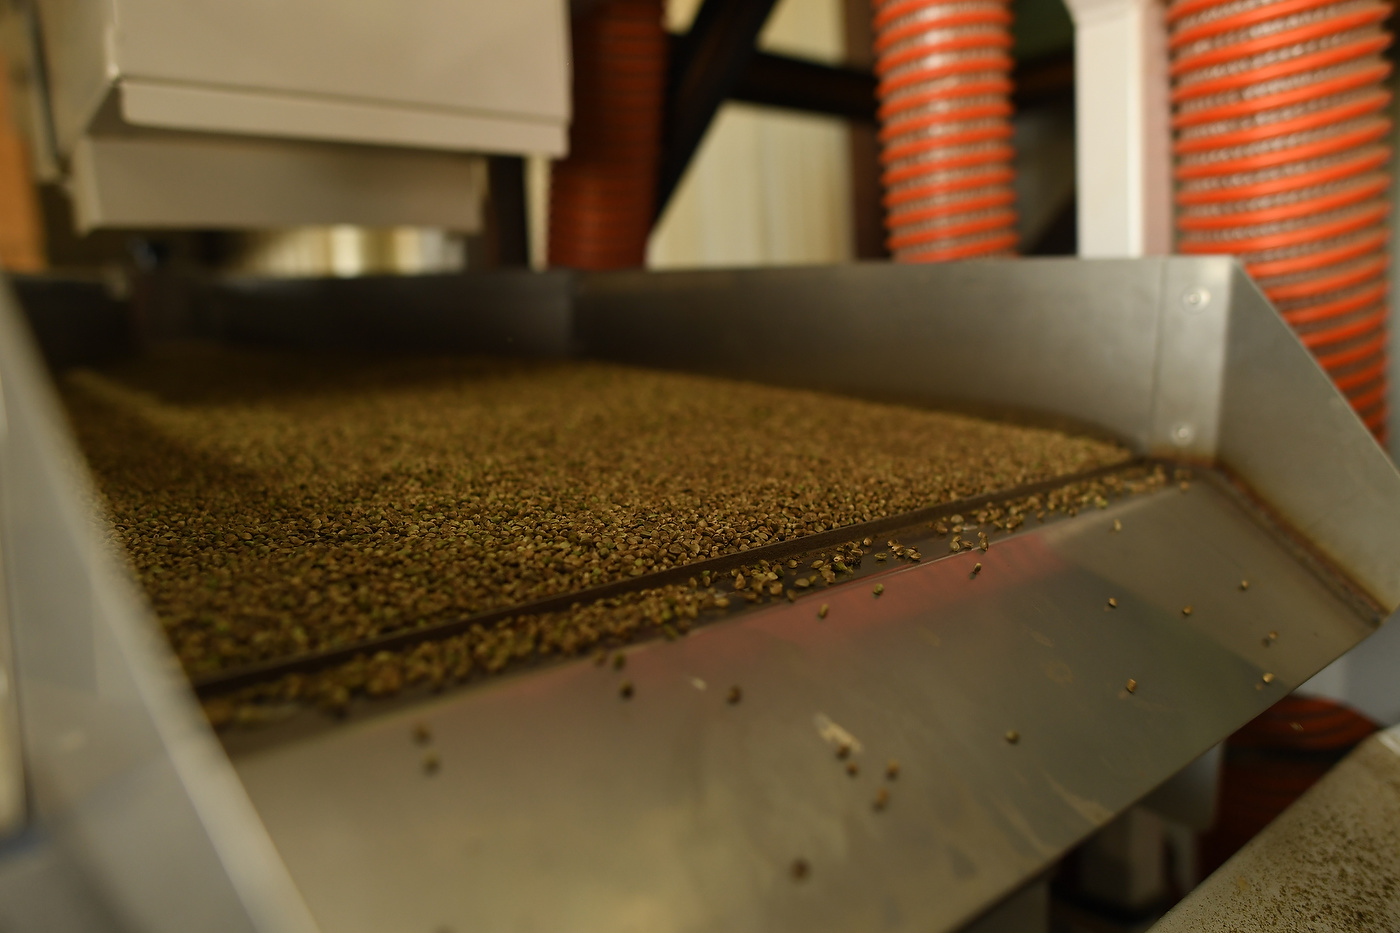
(1193, 317)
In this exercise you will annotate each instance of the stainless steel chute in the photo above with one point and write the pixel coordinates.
(557, 806)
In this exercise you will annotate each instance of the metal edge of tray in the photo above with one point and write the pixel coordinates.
(1294, 440)
(1074, 340)
(120, 768)
(507, 313)
(12, 794)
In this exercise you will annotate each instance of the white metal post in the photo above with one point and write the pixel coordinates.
(1123, 128)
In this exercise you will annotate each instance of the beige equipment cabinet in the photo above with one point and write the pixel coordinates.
(183, 113)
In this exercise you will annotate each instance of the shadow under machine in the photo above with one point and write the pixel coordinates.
(896, 723)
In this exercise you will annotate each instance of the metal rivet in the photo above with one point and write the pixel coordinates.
(1183, 434)
(1195, 298)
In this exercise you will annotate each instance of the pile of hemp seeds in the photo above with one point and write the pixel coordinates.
(275, 504)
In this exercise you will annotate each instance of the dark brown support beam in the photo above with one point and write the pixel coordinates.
(794, 84)
(507, 224)
(708, 63)
(867, 194)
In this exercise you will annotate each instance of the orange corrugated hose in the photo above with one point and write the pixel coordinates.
(1279, 111)
(602, 196)
(945, 127)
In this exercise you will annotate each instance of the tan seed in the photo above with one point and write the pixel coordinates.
(892, 769)
(1267, 678)
(879, 588)
(1117, 525)
(852, 768)
(1186, 610)
(882, 799)
(821, 613)
(1112, 603)
(734, 696)
(1244, 584)
(1013, 736)
(1132, 685)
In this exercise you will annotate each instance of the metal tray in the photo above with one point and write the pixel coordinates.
(558, 805)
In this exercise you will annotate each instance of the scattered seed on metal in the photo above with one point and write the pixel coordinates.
(892, 769)
(1132, 685)
(1186, 610)
(825, 608)
(1013, 736)
(1267, 678)
(421, 733)
(843, 751)
(879, 588)
(800, 869)
(431, 762)
(625, 690)
(734, 696)
(852, 768)
(619, 661)
(1244, 584)
(1112, 603)
(1273, 636)
(976, 569)
(882, 799)
(1117, 525)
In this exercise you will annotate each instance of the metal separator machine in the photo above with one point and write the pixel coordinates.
(558, 807)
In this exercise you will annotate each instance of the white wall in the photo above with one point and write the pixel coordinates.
(766, 187)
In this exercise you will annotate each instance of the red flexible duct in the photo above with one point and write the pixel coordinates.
(1279, 112)
(602, 196)
(944, 68)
